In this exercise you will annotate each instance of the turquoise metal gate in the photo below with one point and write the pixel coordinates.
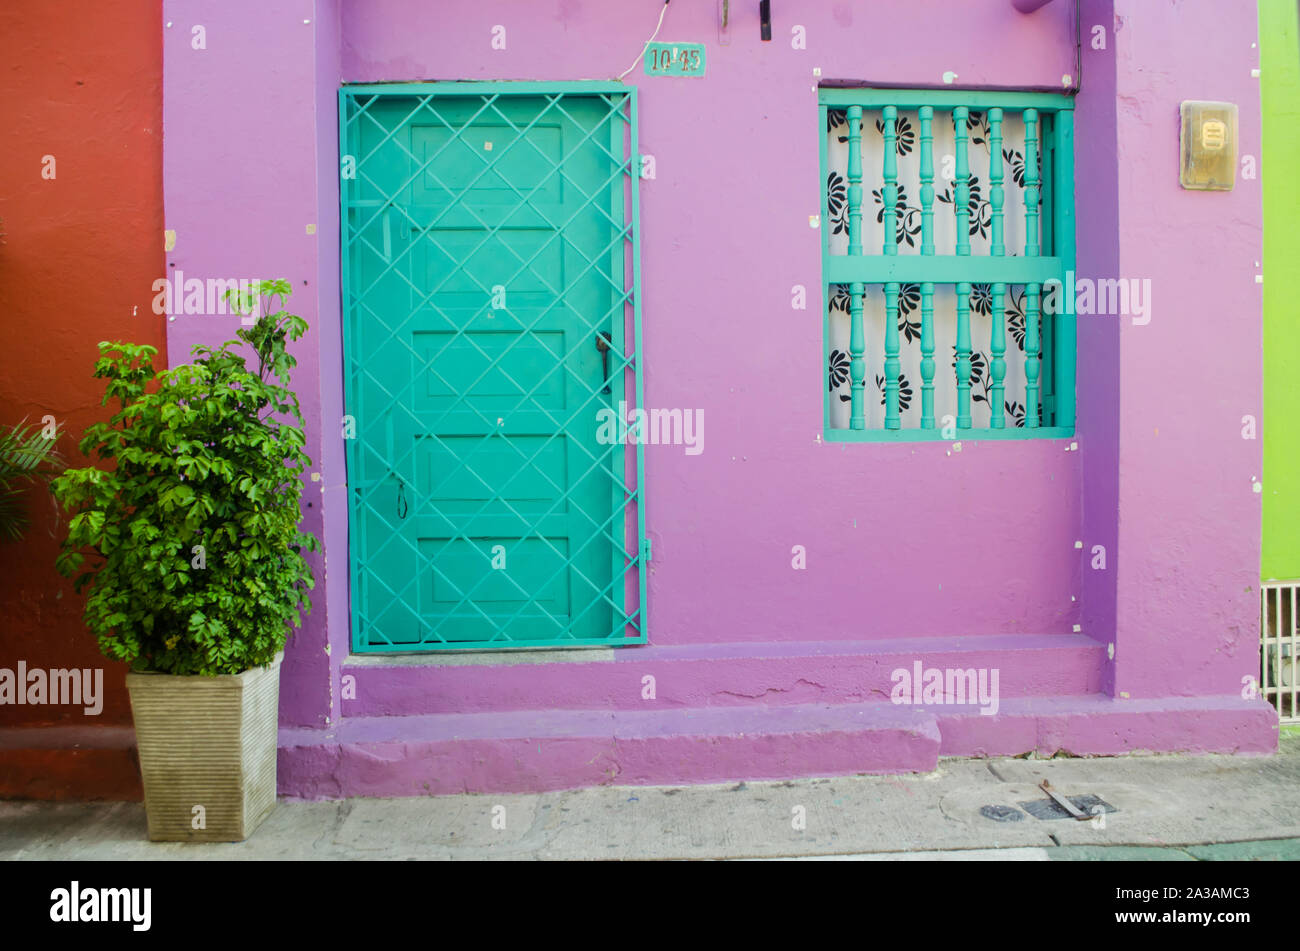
(491, 331)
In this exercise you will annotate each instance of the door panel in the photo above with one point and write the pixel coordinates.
(484, 250)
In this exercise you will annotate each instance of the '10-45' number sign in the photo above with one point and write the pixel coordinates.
(674, 59)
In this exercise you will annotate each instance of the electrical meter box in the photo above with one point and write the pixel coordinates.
(1208, 145)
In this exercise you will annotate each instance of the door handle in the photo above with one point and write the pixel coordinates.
(603, 342)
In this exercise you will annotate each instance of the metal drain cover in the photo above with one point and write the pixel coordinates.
(1050, 809)
(1001, 813)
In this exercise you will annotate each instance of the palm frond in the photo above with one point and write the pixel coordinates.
(27, 454)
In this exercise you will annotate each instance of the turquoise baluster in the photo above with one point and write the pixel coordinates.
(996, 194)
(927, 180)
(890, 192)
(1032, 365)
(927, 355)
(997, 362)
(1065, 324)
(963, 355)
(857, 335)
(892, 365)
(961, 187)
(855, 179)
(857, 361)
(1031, 183)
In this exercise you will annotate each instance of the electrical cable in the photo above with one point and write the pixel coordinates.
(1078, 47)
(641, 55)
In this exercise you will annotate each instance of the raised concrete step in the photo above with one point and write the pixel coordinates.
(519, 751)
(709, 675)
(522, 751)
(1100, 725)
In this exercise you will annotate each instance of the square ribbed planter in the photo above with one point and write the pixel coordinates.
(209, 742)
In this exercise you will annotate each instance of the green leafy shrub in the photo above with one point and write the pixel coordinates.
(197, 563)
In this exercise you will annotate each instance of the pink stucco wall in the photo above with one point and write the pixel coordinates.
(1188, 522)
(903, 540)
(724, 237)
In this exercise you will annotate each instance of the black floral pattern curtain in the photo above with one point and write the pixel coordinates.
(907, 239)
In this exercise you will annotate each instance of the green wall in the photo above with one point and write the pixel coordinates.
(1279, 58)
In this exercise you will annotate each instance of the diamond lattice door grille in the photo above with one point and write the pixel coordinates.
(491, 333)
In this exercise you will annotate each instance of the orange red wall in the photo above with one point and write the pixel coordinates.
(80, 80)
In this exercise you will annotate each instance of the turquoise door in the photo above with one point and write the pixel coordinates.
(489, 319)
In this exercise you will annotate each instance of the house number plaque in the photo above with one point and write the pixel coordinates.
(674, 59)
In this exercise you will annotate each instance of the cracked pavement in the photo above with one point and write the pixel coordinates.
(1174, 804)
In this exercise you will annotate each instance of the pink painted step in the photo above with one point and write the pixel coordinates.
(532, 751)
(715, 675)
(1103, 726)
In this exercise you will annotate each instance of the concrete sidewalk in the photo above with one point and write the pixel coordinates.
(1167, 807)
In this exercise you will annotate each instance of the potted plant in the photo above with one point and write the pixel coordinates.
(188, 543)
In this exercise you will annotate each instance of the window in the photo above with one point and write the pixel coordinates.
(947, 244)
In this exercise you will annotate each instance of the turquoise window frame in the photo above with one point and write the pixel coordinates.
(1057, 232)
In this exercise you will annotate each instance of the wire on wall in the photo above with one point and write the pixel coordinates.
(1078, 47)
(641, 55)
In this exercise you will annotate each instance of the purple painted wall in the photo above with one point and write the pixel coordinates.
(903, 540)
(1097, 240)
(1189, 525)
(242, 137)
(724, 237)
(333, 637)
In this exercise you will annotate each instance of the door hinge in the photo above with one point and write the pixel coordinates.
(645, 549)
